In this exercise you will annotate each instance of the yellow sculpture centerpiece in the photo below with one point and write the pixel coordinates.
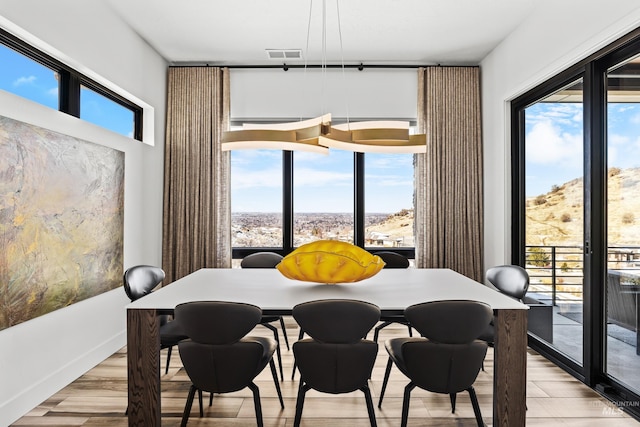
(330, 261)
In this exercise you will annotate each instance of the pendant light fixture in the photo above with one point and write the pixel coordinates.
(318, 134)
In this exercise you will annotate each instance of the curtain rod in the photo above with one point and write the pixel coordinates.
(360, 67)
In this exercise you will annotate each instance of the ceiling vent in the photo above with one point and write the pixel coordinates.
(284, 54)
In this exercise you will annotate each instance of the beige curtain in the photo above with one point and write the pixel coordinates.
(448, 198)
(197, 213)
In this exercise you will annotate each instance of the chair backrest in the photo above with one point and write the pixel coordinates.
(217, 322)
(140, 280)
(336, 359)
(218, 357)
(337, 321)
(511, 280)
(450, 322)
(448, 358)
(261, 260)
(393, 259)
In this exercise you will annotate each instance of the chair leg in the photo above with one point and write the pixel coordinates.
(256, 403)
(211, 399)
(370, 410)
(376, 331)
(386, 379)
(277, 338)
(293, 371)
(166, 369)
(200, 403)
(302, 390)
(187, 407)
(476, 406)
(452, 396)
(284, 333)
(405, 404)
(276, 382)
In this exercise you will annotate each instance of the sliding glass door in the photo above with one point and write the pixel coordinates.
(554, 217)
(623, 223)
(576, 217)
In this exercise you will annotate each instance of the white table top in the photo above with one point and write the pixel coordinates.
(392, 290)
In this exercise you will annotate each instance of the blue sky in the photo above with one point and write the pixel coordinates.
(24, 77)
(322, 183)
(325, 183)
(554, 142)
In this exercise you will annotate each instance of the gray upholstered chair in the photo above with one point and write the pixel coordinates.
(139, 281)
(335, 359)
(511, 280)
(448, 356)
(391, 260)
(218, 356)
(268, 260)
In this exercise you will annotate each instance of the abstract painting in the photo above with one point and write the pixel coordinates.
(61, 220)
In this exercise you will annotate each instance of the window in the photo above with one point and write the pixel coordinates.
(102, 111)
(32, 74)
(322, 197)
(281, 200)
(28, 78)
(389, 200)
(575, 177)
(256, 198)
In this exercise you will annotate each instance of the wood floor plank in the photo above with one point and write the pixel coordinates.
(99, 398)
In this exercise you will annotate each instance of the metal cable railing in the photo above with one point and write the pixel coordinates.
(557, 271)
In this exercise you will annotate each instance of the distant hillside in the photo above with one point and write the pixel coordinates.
(557, 216)
(397, 226)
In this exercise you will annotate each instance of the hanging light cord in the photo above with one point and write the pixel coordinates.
(324, 54)
(344, 78)
(306, 58)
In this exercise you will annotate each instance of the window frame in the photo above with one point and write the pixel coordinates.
(70, 82)
(288, 212)
(592, 70)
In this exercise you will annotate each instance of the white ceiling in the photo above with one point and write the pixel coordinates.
(238, 32)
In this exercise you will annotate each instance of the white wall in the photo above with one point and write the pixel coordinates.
(554, 37)
(40, 356)
(369, 94)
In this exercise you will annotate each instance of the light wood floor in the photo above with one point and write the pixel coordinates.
(99, 398)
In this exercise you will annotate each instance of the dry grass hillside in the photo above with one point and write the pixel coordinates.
(556, 218)
(398, 227)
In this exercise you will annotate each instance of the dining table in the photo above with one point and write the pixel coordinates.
(392, 290)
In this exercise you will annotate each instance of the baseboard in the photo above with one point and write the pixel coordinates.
(16, 407)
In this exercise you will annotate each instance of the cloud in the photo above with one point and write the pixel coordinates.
(24, 80)
(389, 161)
(53, 92)
(617, 139)
(546, 143)
(307, 177)
(388, 180)
(625, 108)
(241, 158)
(242, 178)
(558, 113)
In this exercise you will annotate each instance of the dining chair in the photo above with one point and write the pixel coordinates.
(511, 280)
(268, 260)
(447, 357)
(336, 359)
(391, 260)
(219, 357)
(139, 281)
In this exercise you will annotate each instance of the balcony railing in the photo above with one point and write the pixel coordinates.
(557, 271)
